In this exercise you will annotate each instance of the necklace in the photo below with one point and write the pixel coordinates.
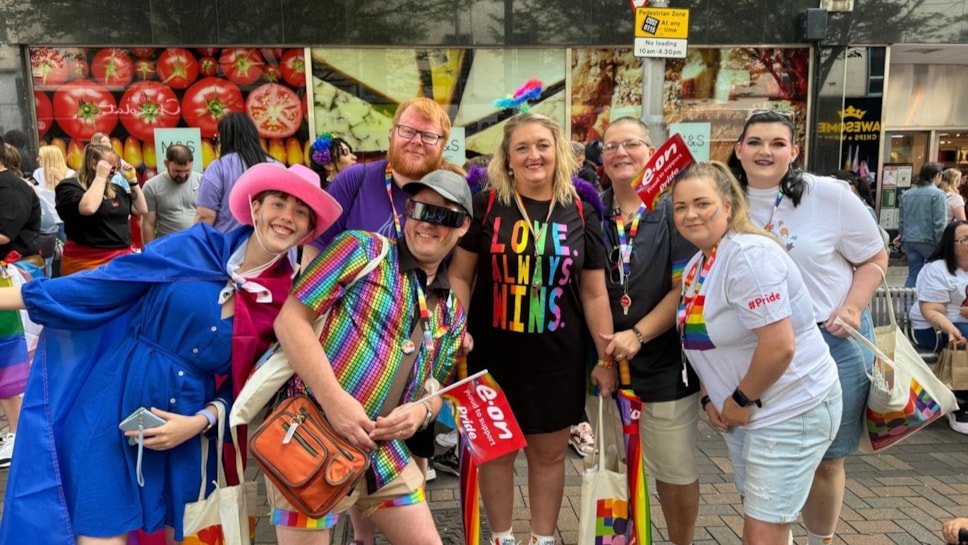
(396, 218)
(428, 338)
(689, 300)
(537, 237)
(625, 243)
(776, 204)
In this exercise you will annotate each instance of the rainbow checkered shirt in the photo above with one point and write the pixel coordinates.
(369, 322)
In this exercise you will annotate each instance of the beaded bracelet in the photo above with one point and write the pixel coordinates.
(638, 335)
(608, 364)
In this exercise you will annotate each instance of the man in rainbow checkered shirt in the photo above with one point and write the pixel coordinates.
(350, 369)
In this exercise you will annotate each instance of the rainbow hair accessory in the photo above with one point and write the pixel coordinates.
(321, 155)
(519, 100)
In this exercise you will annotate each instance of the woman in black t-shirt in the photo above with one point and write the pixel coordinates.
(532, 309)
(96, 212)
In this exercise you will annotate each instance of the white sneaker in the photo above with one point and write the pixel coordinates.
(958, 421)
(431, 474)
(6, 449)
(447, 440)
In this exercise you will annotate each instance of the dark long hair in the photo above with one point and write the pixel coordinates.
(238, 134)
(946, 248)
(792, 183)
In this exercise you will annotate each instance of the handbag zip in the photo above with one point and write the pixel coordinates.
(306, 416)
(299, 438)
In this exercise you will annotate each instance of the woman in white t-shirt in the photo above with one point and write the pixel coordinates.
(942, 310)
(943, 292)
(950, 182)
(836, 245)
(747, 327)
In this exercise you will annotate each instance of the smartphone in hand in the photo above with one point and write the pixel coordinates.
(140, 418)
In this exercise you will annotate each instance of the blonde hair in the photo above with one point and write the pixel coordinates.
(948, 179)
(429, 110)
(92, 154)
(729, 190)
(498, 171)
(96, 138)
(54, 165)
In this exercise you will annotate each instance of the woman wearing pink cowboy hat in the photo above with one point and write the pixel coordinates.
(150, 330)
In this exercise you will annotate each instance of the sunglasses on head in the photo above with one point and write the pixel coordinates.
(785, 114)
(430, 213)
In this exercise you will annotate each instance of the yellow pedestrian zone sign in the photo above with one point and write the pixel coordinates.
(661, 23)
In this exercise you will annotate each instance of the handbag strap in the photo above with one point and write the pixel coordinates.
(219, 446)
(406, 365)
(887, 295)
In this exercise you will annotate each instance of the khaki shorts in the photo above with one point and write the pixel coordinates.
(405, 485)
(669, 432)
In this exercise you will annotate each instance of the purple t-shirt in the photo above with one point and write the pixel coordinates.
(217, 183)
(362, 192)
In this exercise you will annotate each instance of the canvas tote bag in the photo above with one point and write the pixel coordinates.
(226, 516)
(604, 495)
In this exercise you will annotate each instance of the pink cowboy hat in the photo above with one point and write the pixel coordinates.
(297, 180)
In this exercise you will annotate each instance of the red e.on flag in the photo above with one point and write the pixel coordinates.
(484, 418)
(669, 160)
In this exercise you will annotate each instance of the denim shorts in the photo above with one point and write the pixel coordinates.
(774, 466)
(853, 365)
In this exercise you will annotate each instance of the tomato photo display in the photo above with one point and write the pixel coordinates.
(275, 109)
(146, 106)
(83, 108)
(128, 92)
(208, 101)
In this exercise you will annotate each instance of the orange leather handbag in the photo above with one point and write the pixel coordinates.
(310, 464)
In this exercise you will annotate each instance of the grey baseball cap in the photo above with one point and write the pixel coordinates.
(448, 185)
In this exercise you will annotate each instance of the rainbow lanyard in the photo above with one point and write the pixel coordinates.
(625, 241)
(538, 238)
(428, 335)
(776, 204)
(689, 300)
(396, 218)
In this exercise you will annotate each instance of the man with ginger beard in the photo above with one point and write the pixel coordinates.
(418, 135)
(373, 199)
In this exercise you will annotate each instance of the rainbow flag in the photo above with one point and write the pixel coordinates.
(639, 531)
(470, 508)
(14, 359)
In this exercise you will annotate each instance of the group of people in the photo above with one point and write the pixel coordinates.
(935, 237)
(723, 300)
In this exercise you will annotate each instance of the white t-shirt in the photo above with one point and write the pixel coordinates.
(955, 202)
(39, 175)
(825, 234)
(936, 285)
(753, 283)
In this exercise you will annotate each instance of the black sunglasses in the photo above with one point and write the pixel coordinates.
(438, 215)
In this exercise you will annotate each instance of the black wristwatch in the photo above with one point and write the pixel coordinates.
(743, 401)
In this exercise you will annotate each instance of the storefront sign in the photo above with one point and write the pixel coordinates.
(190, 137)
(454, 150)
(696, 136)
